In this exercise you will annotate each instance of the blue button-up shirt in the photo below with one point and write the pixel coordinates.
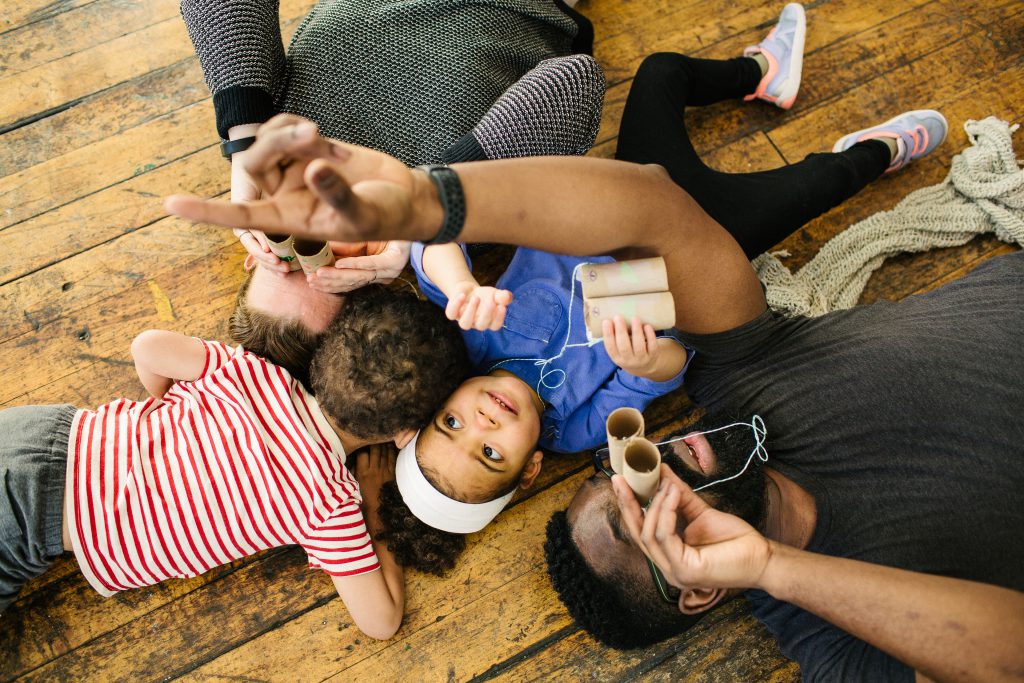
(581, 387)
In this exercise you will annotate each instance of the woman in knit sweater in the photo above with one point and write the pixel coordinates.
(410, 78)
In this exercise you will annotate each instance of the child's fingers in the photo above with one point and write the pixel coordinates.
(454, 308)
(622, 340)
(498, 320)
(652, 338)
(503, 297)
(608, 336)
(484, 311)
(638, 339)
(469, 313)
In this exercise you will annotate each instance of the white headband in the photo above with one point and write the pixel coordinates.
(433, 507)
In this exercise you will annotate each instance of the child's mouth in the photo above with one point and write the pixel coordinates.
(503, 401)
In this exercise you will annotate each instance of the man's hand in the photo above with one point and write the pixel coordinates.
(321, 189)
(478, 308)
(374, 467)
(353, 272)
(715, 550)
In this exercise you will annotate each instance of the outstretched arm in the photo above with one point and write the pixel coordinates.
(946, 629)
(577, 206)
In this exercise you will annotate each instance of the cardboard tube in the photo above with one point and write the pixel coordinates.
(624, 277)
(641, 467)
(313, 255)
(283, 248)
(622, 425)
(658, 309)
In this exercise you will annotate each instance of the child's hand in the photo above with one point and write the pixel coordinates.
(375, 466)
(634, 349)
(479, 308)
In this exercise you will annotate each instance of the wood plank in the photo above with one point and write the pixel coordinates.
(57, 182)
(97, 218)
(21, 12)
(77, 30)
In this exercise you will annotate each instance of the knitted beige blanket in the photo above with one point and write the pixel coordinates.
(984, 192)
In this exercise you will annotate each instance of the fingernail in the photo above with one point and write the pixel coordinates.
(324, 178)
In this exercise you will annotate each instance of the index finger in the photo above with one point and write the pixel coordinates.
(260, 213)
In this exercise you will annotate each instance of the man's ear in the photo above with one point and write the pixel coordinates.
(694, 601)
(403, 437)
(531, 470)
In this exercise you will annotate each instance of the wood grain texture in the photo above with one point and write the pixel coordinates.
(112, 114)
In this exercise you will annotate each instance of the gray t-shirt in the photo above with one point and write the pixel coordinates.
(904, 421)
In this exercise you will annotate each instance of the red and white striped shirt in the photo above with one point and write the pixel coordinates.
(240, 460)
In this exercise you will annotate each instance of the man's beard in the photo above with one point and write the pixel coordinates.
(745, 496)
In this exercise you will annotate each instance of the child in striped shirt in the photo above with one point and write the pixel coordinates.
(231, 455)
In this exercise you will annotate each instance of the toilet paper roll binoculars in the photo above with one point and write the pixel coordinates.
(297, 253)
(631, 454)
(632, 289)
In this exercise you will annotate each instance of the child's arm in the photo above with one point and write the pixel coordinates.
(475, 307)
(375, 600)
(639, 352)
(163, 357)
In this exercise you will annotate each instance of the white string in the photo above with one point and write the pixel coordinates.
(545, 372)
(760, 434)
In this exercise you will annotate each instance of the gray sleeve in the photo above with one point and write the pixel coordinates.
(239, 46)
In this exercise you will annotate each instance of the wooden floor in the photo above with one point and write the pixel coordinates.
(104, 111)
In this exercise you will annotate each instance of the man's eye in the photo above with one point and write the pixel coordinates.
(492, 454)
(451, 422)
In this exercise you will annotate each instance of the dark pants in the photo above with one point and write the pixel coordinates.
(33, 468)
(758, 209)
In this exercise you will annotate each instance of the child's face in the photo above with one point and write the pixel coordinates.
(483, 437)
(289, 297)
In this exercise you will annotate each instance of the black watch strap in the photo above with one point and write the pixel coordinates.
(229, 147)
(453, 202)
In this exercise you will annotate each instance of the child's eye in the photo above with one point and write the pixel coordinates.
(491, 454)
(451, 422)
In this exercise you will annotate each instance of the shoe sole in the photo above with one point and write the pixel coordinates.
(790, 87)
(838, 147)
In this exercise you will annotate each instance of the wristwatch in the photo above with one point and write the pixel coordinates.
(453, 201)
(229, 147)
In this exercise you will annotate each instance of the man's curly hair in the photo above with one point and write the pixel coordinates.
(414, 543)
(387, 363)
(607, 608)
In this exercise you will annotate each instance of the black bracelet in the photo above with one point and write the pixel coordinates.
(229, 147)
(453, 202)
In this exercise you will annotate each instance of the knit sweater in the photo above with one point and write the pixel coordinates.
(407, 77)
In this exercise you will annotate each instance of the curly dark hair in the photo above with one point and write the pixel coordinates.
(414, 543)
(607, 608)
(387, 363)
(283, 342)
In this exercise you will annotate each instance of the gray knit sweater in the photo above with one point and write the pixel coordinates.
(408, 77)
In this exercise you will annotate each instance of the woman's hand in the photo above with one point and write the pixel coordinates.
(352, 272)
(714, 550)
(478, 308)
(243, 190)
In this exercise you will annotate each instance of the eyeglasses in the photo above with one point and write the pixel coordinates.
(602, 465)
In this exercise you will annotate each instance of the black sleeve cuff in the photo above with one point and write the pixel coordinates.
(239, 105)
(466, 148)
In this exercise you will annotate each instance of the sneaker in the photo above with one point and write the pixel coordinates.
(784, 50)
(916, 132)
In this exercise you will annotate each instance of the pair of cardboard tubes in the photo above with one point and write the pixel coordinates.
(637, 288)
(305, 254)
(631, 454)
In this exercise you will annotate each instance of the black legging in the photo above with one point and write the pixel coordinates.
(758, 209)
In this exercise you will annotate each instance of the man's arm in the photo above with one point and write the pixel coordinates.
(577, 206)
(162, 357)
(946, 629)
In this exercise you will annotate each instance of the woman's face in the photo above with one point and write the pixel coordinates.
(288, 296)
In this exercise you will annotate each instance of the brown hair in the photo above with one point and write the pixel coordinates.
(387, 364)
(287, 343)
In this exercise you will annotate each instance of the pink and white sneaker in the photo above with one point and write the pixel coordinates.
(916, 132)
(784, 50)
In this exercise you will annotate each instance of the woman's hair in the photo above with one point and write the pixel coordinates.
(414, 543)
(287, 343)
(612, 609)
(387, 363)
